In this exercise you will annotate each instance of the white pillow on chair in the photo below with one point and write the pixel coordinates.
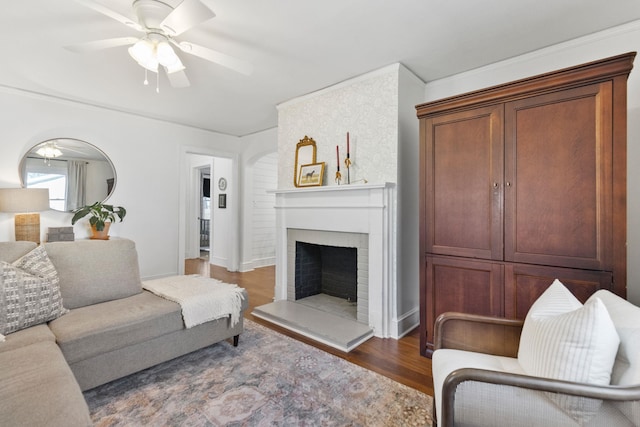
(562, 339)
(626, 318)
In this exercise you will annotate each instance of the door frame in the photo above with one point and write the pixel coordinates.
(186, 188)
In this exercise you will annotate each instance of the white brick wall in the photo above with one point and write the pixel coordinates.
(265, 177)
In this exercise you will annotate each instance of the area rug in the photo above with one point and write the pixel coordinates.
(268, 380)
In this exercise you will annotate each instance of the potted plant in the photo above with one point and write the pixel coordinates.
(100, 218)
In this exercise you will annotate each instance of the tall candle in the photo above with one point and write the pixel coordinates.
(347, 145)
(338, 157)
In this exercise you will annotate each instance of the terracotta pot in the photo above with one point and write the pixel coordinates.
(100, 235)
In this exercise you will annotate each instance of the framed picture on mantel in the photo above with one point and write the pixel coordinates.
(311, 175)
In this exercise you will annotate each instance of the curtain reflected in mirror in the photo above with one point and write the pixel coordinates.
(75, 172)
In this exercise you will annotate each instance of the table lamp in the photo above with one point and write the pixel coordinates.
(26, 203)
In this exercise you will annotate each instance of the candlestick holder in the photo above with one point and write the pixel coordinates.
(347, 164)
(338, 176)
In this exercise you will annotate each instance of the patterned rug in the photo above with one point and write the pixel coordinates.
(268, 380)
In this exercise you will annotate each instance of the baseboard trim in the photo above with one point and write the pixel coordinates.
(406, 323)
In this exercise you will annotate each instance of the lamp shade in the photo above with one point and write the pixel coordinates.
(23, 200)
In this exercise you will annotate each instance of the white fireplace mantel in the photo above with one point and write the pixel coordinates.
(365, 208)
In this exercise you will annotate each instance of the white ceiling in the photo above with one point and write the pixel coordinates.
(296, 47)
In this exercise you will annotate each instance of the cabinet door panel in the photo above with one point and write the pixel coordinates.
(463, 158)
(462, 285)
(558, 154)
(525, 283)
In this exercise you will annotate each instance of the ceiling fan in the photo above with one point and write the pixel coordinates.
(161, 23)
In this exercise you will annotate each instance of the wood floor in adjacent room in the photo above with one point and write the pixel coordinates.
(399, 360)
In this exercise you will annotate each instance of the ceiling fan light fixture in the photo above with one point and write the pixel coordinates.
(166, 55)
(142, 50)
(144, 53)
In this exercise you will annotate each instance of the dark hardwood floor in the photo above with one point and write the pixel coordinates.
(399, 360)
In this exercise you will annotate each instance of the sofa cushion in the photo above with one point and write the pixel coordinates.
(27, 337)
(95, 271)
(88, 331)
(626, 318)
(29, 292)
(39, 389)
(11, 251)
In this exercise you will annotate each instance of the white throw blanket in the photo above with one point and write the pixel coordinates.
(202, 299)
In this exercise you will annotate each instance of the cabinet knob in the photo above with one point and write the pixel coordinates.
(495, 185)
(508, 184)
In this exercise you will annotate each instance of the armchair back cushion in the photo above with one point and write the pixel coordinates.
(95, 271)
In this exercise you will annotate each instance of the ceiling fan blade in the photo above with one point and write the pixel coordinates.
(101, 44)
(178, 79)
(186, 15)
(111, 14)
(216, 57)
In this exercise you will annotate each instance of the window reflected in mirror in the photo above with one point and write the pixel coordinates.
(75, 172)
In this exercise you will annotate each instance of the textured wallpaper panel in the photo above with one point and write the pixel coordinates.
(367, 108)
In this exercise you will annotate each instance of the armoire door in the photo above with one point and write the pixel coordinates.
(461, 285)
(524, 283)
(558, 195)
(462, 177)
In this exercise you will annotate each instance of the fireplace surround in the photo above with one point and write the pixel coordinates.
(357, 216)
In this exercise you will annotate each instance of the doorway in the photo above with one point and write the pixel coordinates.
(204, 214)
(201, 216)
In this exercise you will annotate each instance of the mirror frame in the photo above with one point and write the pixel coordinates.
(305, 154)
(22, 164)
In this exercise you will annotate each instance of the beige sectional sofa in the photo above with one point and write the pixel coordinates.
(111, 328)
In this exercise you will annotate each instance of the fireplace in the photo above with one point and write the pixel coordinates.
(360, 217)
(330, 270)
(331, 263)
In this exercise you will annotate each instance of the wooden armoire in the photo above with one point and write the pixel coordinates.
(520, 184)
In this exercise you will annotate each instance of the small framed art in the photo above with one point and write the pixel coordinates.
(222, 201)
(311, 175)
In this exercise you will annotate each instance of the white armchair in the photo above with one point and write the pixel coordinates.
(482, 378)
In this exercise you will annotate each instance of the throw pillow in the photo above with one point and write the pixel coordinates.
(37, 263)
(564, 340)
(626, 318)
(29, 292)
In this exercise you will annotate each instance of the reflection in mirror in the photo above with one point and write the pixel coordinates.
(75, 172)
(305, 154)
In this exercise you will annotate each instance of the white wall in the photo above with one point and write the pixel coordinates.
(222, 221)
(145, 153)
(263, 218)
(256, 147)
(600, 45)
(410, 90)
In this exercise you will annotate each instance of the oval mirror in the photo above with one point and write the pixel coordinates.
(75, 172)
(305, 154)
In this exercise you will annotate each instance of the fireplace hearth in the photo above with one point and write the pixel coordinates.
(322, 269)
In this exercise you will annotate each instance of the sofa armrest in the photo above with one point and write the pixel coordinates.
(480, 334)
(514, 384)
